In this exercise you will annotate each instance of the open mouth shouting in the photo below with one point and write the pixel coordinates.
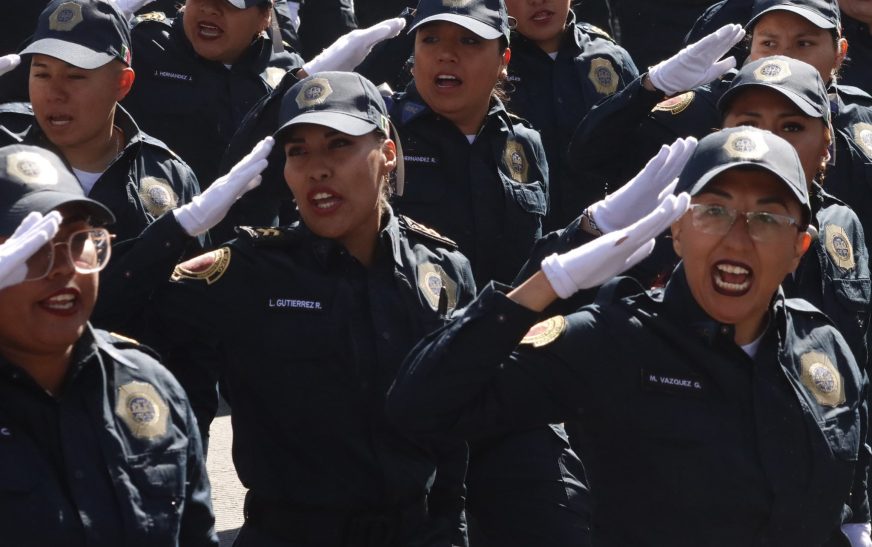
(731, 278)
(542, 16)
(448, 81)
(59, 120)
(324, 202)
(63, 303)
(209, 31)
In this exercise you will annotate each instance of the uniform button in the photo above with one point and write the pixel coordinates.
(501, 318)
(501, 366)
(560, 100)
(128, 274)
(168, 244)
(725, 329)
(386, 335)
(79, 474)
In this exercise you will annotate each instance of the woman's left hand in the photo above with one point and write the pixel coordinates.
(351, 49)
(8, 63)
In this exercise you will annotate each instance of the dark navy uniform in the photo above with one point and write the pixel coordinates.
(308, 342)
(143, 183)
(114, 459)
(693, 441)
(489, 196)
(855, 70)
(555, 95)
(192, 104)
(322, 22)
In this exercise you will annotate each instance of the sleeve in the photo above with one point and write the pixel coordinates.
(198, 521)
(465, 379)
(387, 60)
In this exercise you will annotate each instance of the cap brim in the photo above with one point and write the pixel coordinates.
(68, 52)
(481, 29)
(46, 201)
(807, 108)
(242, 4)
(813, 17)
(709, 175)
(339, 121)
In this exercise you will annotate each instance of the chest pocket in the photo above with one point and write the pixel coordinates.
(160, 481)
(529, 197)
(841, 428)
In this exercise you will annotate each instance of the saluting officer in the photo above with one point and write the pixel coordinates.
(718, 411)
(98, 443)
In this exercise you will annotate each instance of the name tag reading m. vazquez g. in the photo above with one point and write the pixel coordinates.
(671, 383)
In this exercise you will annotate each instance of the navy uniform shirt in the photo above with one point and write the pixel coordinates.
(192, 104)
(554, 95)
(308, 342)
(489, 196)
(113, 459)
(856, 70)
(693, 441)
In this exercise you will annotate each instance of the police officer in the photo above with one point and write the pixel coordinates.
(308, 324)
(99, 443)
(721, 412)
(558, 70)
(200, 72)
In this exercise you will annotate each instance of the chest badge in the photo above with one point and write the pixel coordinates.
(676, 105)
(603, 76)
(207, 267)
(432, 279)
(821, 377)
(863, 136)
(157, 196)
(839, 247)
(143, 410)
(516, 162)
(545, 332)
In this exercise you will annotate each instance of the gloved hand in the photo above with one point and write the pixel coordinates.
(697, 64)
(8, 63)
(644, 191)
(207, 209)
(858, 534)
(351, 49)
(605, 257)
(294, 11)
(33, 232)
(130, 7)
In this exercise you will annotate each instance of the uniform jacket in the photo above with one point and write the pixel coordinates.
(692, 441)
(307, 342)
(489, 196)
(115, 459)
(192, 104)
(855, 70)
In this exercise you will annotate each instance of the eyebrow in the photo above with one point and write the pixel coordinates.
(766, 200)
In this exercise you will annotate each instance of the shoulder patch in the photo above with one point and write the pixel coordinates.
(593, 29)
(675, 105)
(863, 136)
(432, 281)
(543, 333)
(207, 267)
(603, 76)
(156, 16)
(427, 232)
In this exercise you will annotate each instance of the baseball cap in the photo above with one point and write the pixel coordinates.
(84, 33)
(242, 4)
(488, 19)
(35, 179)
(744, 147)
(344, 101)
(821, 13)
(797, 80)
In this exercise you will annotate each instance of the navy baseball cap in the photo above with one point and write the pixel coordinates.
(488, 19)
(798, 81)
(344, 101)
(84, 33)
(744, 147)
(242, 4)
(821, 13)
(35, 179)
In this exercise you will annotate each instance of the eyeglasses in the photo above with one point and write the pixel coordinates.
(87, 251)
(718, 220)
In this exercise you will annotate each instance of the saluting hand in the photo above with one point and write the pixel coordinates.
(697, 64)
(644, 191)
(596, 262)
(210, 207)
(33, 232)
(9, 62)
(351, 49)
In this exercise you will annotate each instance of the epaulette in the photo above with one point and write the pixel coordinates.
(17, 108)
(518, 119)
(804, 306)
(111, 341)
(145, 138)
(265, 236)
(593, 29)
(675, 105)
(425, 231)
(154, 16)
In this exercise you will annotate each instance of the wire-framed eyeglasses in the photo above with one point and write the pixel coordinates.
(719, 219)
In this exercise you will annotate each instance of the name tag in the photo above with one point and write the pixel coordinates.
(671, 383)
(428, 160)
(294, 304)
(175, 76)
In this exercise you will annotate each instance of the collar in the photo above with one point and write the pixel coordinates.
(84, 351)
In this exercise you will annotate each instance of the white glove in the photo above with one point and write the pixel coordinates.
(294, 10)
(644, 191)
(9, 62)
(858, 534)
(351, 49)
(207, 209)
(130, 7)
(594, 263)
(697, 64)
(33, 232)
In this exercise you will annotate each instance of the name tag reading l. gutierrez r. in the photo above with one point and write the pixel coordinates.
(671, 383)
(294, 304)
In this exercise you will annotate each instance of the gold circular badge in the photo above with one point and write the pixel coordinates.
(545, 332)
(822, 379)
(157, 196)
(143, 410)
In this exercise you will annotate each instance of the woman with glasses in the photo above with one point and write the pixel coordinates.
(716, 410)
(98, 444)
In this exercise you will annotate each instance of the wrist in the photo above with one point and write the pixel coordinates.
(588, 224)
